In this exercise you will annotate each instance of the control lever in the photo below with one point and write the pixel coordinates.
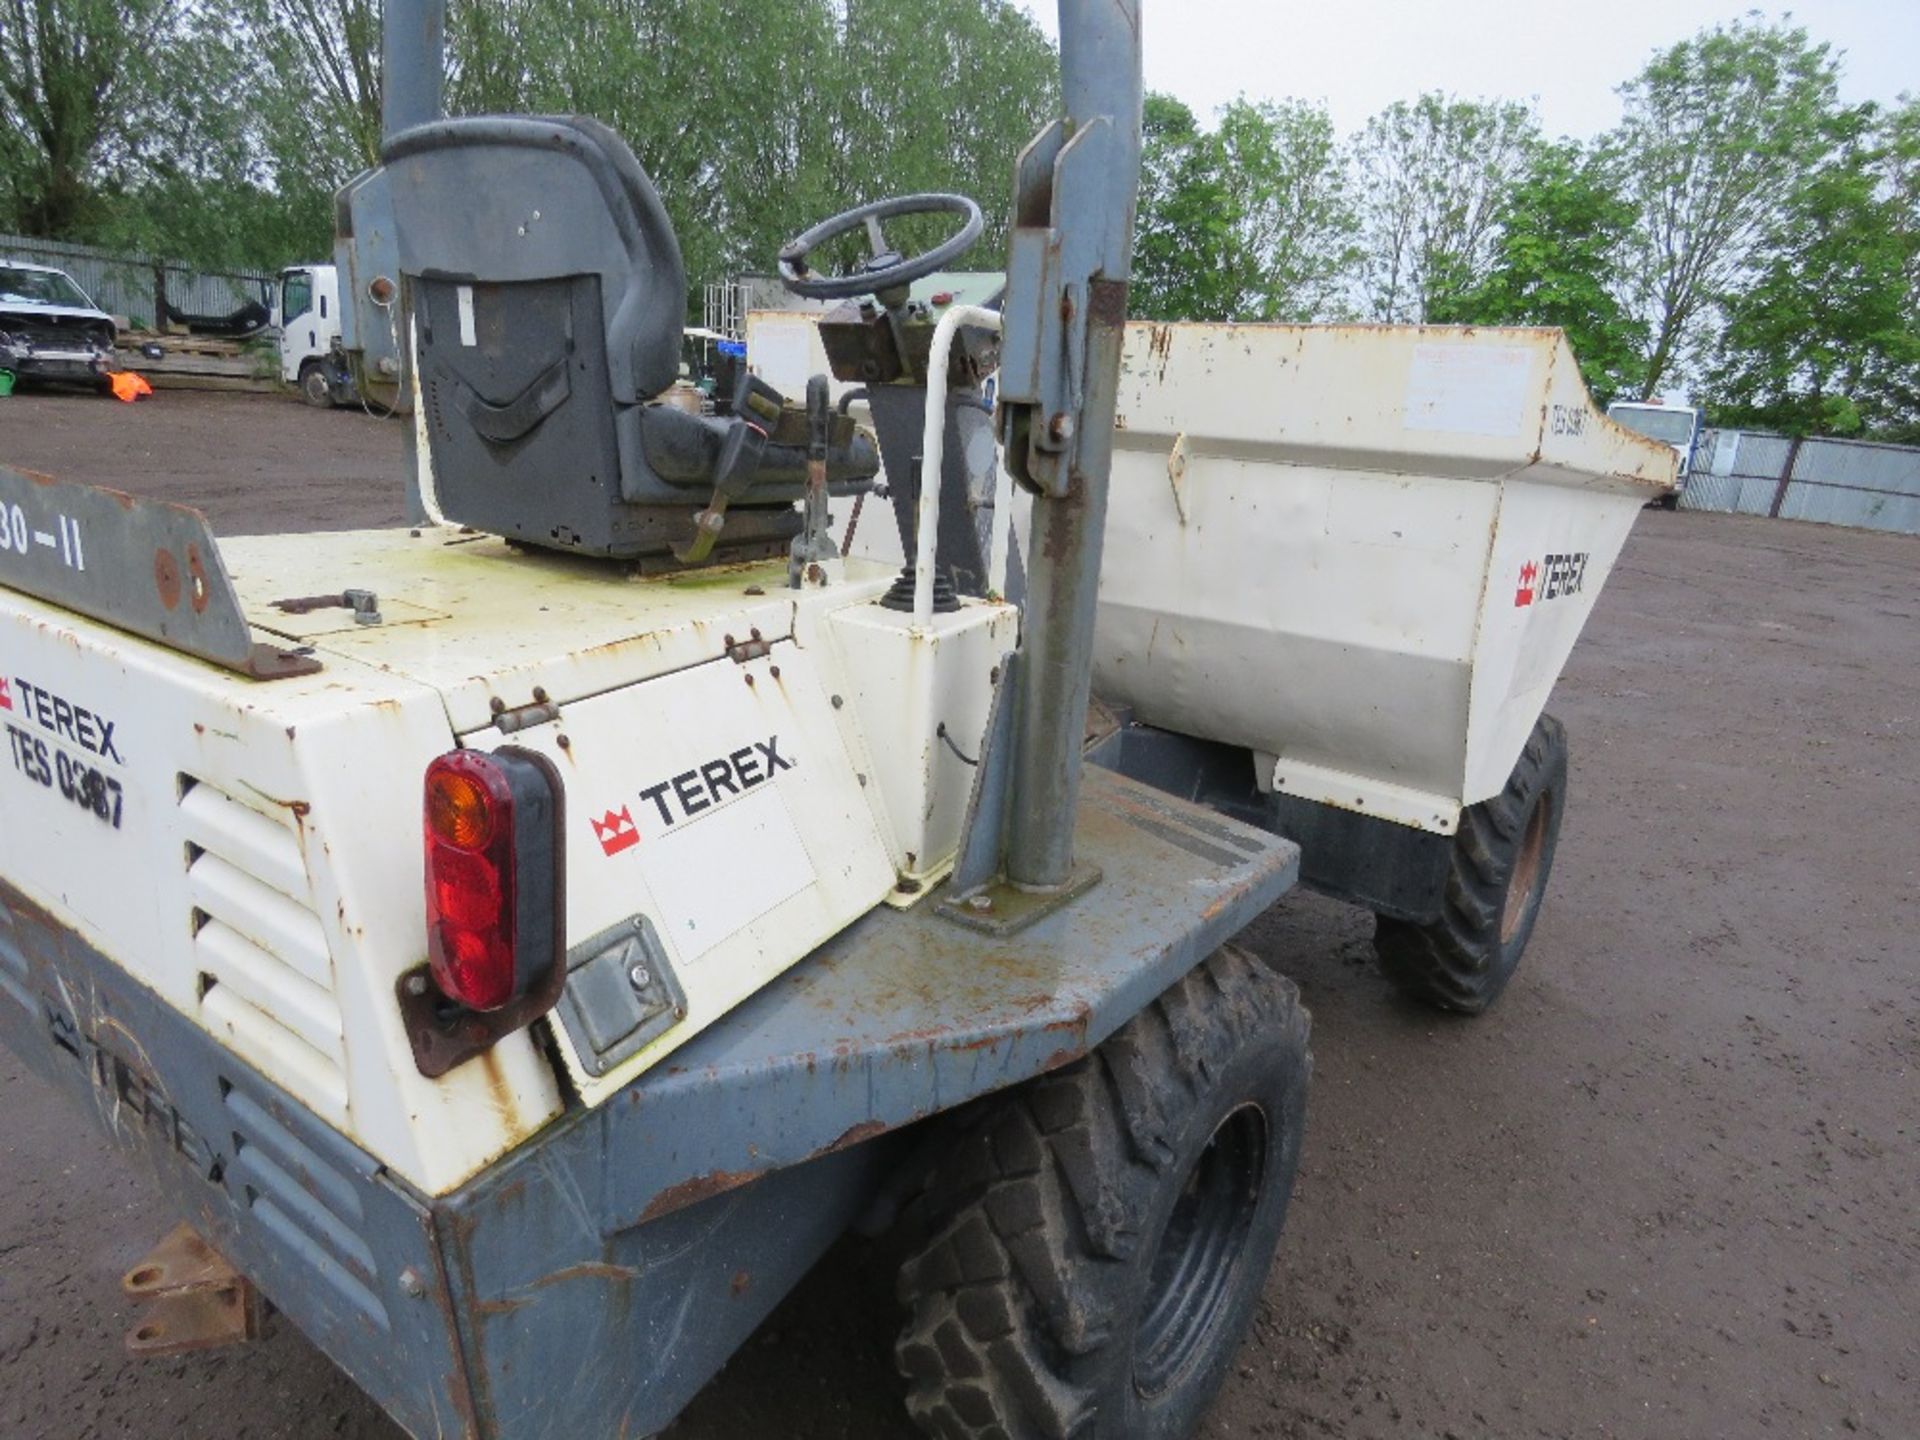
(756, 409)
(814, 543)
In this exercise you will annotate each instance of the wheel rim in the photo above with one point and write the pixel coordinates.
(316, 384)
(1194, 1268)
(1524, 884)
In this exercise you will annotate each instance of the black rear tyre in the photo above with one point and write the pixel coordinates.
(1097, 1244)
(1502, 856)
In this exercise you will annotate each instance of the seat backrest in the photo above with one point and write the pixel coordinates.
(502, 200)
(548, 298)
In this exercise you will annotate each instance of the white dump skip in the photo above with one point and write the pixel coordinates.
(1365, 552)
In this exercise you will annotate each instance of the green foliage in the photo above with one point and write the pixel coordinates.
(1558, 261)
(754, 120)
(1824, 338)
(73, 75)
(1718, 131)
(1250, 221)
(1433, 175)
(757, 120)
(1739, 224)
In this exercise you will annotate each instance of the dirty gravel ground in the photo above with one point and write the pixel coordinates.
(1666, 1190)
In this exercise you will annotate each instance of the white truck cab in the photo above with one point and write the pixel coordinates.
(1675, 425)
(307, 310)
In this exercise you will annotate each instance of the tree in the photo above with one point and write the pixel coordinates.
(1901, 141)
(72, 75)
(1251, 221)
(1557, 261)
(312, 93)
(1824, 339)
(756, 120)
(1433, 176)
(319, 84)
(1180, 234)
(1717, 133)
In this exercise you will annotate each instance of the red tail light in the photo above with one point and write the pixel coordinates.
(492, 876)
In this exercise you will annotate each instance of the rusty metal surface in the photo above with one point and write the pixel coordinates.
(905, 1014)
(479, 622)
(628, 1230)
(627, 1224)
(191, 1299)
(342, 1249)
(200, 1320)
(148, 567)
(181, 1264)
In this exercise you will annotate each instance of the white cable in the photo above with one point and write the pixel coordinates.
(1000, 545)
(427, 480)
(933, 446)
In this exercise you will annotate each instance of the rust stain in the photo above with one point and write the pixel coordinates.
(166, 578)
(200, 593)
(857, 1135)
(588, 1270)
(692, 1192)
(301, 809)
(499, 1090)
(741, 1280)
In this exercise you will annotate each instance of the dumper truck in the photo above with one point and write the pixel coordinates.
(518, 945)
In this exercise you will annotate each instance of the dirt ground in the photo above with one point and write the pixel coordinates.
(254, 463)
(1666, 1190)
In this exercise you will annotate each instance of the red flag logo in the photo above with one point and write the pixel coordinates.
(616, 831)
(6, 695)
(1529, 578)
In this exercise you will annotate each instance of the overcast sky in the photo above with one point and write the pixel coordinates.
(1361, 55)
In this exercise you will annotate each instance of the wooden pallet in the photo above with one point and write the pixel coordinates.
(199, 362)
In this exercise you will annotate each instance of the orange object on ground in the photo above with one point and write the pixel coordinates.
(128, 386)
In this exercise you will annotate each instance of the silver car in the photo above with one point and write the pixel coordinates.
(50, 329)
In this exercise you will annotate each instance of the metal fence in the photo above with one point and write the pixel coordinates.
(129, 286)
(1833, 482)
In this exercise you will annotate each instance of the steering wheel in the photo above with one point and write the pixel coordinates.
(885, 268)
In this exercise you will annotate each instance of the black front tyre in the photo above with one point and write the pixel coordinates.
(1502, 855)
(315, 388)
(1098, 1243)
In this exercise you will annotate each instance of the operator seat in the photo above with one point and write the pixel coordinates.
(549, 299)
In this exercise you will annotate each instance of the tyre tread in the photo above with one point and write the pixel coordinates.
(1455, 961)
(1003, 1295)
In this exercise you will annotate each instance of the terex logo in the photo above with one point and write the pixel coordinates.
(692, 791)
(687, 794)
(1529, 576)
(1550, 578)
(6, 694)
(616, 831)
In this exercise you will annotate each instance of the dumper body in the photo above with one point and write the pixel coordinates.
(1363, 553)
(211, 882)
(211, 902)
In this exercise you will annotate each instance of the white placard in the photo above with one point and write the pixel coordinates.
(715, 876)
(1468, 389)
